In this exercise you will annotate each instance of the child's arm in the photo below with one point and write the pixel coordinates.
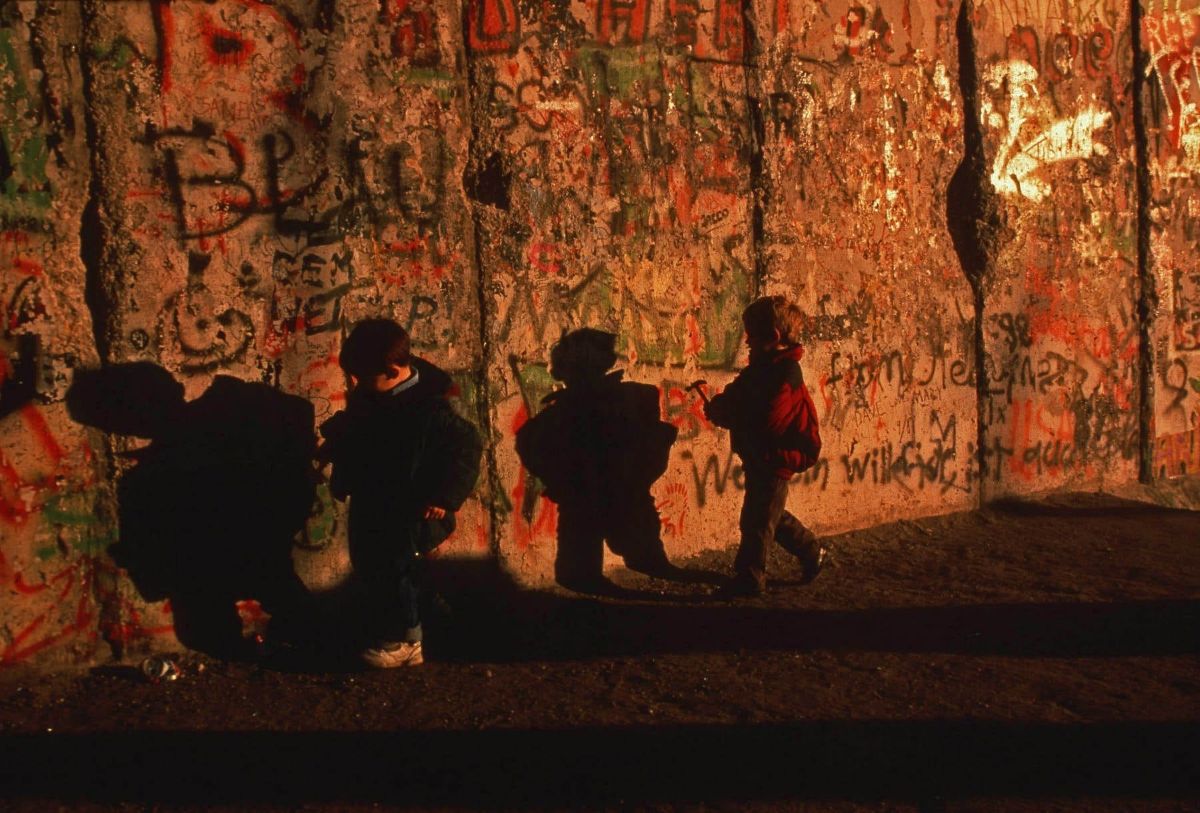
(455, 458)
(722, 408)
(331, 450)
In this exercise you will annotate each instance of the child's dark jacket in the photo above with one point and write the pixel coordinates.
(394, 454)
(770, 414)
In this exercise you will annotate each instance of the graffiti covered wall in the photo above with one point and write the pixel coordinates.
(222, 188)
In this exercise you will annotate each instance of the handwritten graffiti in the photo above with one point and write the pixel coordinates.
(53, 562)
(414, 27)
(209, 333)
(493, 26)
(1177, 455)
(1063, 49)
(1172, 36)
(1060, 435)
(1187, 309)
(24, 150)
(1029, 140)
(716, 476)
(912, 464)
(673, 510)
(247, 50)
(622, 22)
(859, 33)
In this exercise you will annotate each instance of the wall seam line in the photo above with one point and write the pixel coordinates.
(751, 72)
(483, 404)
(1147, 300)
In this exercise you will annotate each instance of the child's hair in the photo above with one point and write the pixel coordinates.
(583, 353)
(768, 314)
(373, 347)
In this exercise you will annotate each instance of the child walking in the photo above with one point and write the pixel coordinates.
(773, 429)
(407, 461)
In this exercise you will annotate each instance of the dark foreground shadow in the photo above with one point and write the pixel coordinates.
(859, 760)
(1081, 505)
(477, 614)
(209, 512)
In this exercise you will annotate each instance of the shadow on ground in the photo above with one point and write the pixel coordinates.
(483, 616)
(702, 763)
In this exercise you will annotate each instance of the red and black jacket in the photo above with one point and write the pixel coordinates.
(770, 414)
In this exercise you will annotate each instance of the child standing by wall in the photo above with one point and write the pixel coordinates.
(773, 428)
(407, 462)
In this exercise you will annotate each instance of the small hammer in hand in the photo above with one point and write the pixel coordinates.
(696, 385)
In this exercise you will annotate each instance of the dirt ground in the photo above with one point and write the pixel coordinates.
(1027, 657)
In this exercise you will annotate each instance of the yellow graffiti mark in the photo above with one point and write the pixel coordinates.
(1027, 148)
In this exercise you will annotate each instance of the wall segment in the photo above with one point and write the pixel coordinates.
(949, 190)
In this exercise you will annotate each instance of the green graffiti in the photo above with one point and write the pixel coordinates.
(1195, 382)
(73, 518)
(118, 55)
(24, 186)
(445, 85)
(321, 528)
(534, 382)
(74, 509)
(621, 72)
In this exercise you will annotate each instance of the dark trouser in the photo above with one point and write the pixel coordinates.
(629, 522)
(391, 597)
(763, 519)
(382, 553)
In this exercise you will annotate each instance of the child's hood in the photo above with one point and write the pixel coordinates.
(432, 383)
(791, 352)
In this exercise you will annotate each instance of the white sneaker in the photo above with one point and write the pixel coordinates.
(389, 656)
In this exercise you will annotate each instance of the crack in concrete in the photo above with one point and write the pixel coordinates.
(98, 293)
(100, 298)
(972, 221)
(1147, 301)
(483, 400)
(758, 188)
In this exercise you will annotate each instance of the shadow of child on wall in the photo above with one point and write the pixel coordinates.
(598, 445)
(208, 513)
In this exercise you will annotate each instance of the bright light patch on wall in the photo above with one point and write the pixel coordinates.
(1028, 145)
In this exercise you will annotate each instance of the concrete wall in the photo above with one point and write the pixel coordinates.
(987, 212)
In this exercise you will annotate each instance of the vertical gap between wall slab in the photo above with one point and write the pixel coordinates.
(973, 223)
(758, 189)
(483, 398)
(1147, 299)
(100, 299)
(98, 293)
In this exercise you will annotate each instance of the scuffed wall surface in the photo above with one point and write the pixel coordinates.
(1170, 35)
(862, 133)
(281, 172)
(222, 188)
(58, 591)
(620, 141)
(1060, 326)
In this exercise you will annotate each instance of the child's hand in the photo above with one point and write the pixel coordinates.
(433, 512)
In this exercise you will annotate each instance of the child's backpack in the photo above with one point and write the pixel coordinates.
(800, 442)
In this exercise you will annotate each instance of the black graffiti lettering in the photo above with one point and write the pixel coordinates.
(817, 475)
(323, 311)
(721, 477)
(422, 309)
(278, 149)
(207, 194)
